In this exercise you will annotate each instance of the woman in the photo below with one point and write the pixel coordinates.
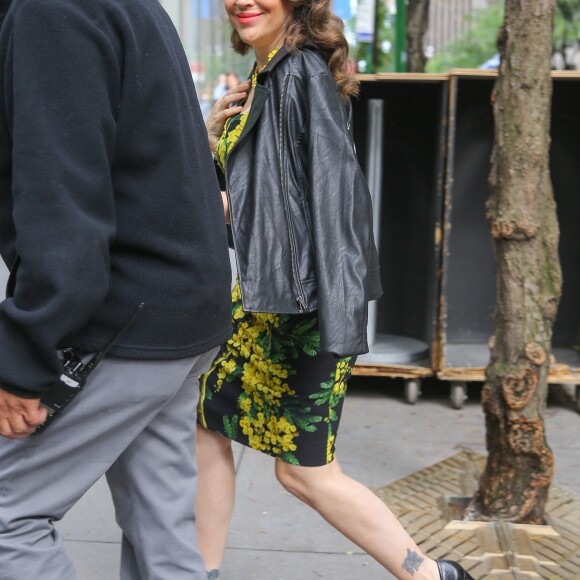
(301, 216)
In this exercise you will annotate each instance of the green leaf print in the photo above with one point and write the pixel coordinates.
(265, 341)
(289, 457)
(302, 417)
(282, 349)
(333, 391)
(295, 337)
(231, 426)
(308, 427)
(304, 326)
(308, 337)
(325, 395)
(311, 349)
(305, 337)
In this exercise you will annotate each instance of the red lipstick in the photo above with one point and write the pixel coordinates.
(248, 17)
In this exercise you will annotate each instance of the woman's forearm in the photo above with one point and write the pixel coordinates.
(226, 207)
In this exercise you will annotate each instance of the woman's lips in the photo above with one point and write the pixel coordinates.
(248, 17)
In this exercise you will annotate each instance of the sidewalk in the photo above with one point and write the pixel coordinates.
(381, 439)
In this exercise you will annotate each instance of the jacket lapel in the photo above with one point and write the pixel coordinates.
(260, 97)
(261, 94)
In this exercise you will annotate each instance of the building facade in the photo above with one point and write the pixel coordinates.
(205, 33)
(449, 19)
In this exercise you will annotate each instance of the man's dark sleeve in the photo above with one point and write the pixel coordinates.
(61, 91)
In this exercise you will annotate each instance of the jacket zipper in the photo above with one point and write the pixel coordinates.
(301, 298)
(233, 231)
(242, 137)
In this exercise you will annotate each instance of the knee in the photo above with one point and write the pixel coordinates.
(301, 482)
(290, 479)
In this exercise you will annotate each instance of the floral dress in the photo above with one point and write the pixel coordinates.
(269, 387)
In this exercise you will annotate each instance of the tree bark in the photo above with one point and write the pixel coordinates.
(417, 26)
(522, 215)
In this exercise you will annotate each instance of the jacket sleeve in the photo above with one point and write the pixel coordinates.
(341, 209)
(60, 115)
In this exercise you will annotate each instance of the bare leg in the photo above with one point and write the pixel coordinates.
(215, 496)
(356, 512)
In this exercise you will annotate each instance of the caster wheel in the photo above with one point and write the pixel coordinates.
(458, 394)
(412, 391)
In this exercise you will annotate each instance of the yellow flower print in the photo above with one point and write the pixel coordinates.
(329, 448)
(259, 356)
(230, 136)
(228, 366)
(236, 292)
(341, 377)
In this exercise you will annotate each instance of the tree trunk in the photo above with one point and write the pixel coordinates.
(522, 215)
(417, 26)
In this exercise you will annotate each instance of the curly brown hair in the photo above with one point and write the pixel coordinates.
(313, 22)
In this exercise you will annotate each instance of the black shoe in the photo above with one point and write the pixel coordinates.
(449, 570)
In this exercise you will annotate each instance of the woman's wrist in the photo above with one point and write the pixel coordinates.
(212, 144)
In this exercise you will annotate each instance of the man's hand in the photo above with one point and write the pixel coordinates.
(19, 417)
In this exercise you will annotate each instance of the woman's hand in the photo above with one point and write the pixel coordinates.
(222, 110)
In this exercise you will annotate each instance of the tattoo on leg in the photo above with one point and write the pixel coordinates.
(412, 562)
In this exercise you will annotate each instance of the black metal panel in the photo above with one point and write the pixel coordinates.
(468, 288)
(412, 160)
(565, 167)
(469, 267)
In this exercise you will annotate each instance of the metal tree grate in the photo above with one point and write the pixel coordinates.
(424, 501)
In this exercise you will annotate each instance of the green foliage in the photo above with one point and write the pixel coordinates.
(384, 59)
(566, 27)
(478, 44)
(383, 56)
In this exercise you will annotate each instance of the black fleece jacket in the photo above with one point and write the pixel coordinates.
(108, 196)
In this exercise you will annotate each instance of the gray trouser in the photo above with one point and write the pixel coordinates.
(134, 421)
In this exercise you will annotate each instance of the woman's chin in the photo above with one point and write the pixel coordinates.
(250, 39)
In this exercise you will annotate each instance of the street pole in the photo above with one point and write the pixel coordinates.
(401, 36)
(366, 31)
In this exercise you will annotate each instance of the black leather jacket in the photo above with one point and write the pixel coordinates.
(300, 207)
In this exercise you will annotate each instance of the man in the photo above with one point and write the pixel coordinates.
(108, 200)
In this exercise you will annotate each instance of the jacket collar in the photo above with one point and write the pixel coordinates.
(261, 92)
(282, 53)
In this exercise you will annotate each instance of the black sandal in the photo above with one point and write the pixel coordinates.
(449, 570)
